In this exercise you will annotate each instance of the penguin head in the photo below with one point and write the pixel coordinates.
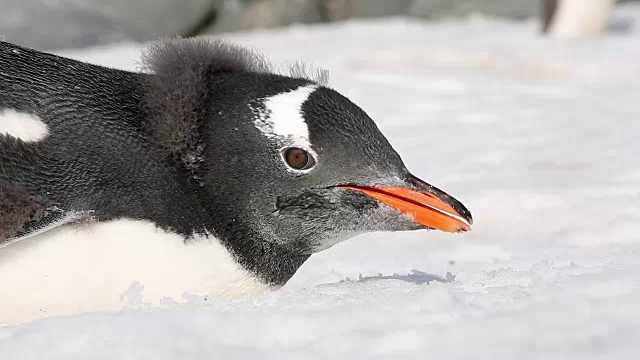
(305, 167)
(293, 162)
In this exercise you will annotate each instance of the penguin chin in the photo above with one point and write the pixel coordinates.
(331, 239)
(317, 219)
(383, 220)
(338, 237)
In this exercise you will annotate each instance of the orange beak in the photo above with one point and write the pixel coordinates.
(431, 208)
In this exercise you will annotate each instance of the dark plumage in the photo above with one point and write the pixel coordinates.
(176, 117)
(19, 209)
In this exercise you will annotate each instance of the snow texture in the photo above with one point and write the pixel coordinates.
(537, 136)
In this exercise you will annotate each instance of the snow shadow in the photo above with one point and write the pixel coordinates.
(415, 277)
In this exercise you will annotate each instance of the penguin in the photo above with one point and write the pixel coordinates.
(205, 174)
(575, 18)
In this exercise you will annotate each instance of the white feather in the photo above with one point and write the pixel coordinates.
(283, 116)
(111, 266)
(21, 125)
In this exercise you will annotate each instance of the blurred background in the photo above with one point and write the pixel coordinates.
(66, 24)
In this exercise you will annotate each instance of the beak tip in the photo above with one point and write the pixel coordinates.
(462, 228)
(469, 225)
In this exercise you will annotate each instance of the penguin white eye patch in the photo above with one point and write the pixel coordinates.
(298, 159)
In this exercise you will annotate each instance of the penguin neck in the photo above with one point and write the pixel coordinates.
(270, 261)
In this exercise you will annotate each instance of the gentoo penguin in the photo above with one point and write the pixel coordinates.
(207, 174)
(575, 18)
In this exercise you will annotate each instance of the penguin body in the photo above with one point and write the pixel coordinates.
(576, 18)
(206, 175)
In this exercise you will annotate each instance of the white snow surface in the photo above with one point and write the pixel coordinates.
(538, 137)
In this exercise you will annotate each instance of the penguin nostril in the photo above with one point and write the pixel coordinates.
(298, 159)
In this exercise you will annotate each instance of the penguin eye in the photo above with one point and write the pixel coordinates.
(298, 159)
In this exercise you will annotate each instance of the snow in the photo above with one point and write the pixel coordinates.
(537, 136)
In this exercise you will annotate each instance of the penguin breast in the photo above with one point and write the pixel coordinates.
(112, 266)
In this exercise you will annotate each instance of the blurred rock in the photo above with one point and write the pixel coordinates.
(157, 17)
(234, 15)
(519, 9)
(61, 24)
(431, 9)
(47, 25)
(344, 9)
